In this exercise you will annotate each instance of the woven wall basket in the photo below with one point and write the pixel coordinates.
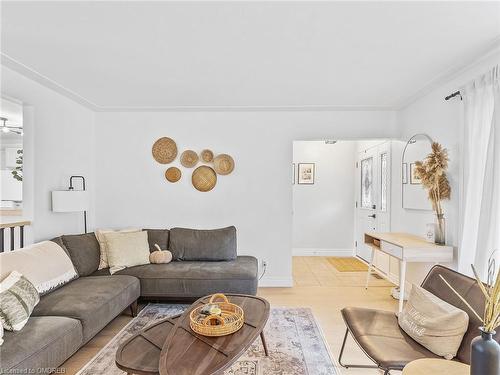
(207, 156)
(223, 164)
(173, 174)
(189, 158)
(204, 178)
(164, 150)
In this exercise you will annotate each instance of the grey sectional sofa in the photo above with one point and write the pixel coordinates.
(205, 262)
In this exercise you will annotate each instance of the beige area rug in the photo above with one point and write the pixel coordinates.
(348, 264)
(295, 342)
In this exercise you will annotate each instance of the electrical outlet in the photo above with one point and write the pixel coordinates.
(263, 263)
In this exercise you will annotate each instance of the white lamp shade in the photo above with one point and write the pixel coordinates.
(70, 200)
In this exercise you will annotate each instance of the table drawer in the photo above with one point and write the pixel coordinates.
(391, 249)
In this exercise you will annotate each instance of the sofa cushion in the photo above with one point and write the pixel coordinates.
(45, 342)
(158, 236)
(193, 279)
(93, 300)
(380, 336)
(84, 252)
(210, 245)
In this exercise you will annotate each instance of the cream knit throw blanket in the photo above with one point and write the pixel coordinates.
(46, 265)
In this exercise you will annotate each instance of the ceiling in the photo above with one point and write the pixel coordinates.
(170, 55)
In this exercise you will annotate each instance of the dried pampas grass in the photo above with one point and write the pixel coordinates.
(432, 172)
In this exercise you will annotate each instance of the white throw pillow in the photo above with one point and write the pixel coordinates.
(103, 245)
(18, 297)
(127, 250)
(433, 323)
(45, 264)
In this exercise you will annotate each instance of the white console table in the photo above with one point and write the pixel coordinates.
(407, 248)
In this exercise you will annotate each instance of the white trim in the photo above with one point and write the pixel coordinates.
(32, 74)
(302, 251)
(275, 282)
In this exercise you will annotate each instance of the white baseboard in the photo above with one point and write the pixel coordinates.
(275, 282)
(301, 251)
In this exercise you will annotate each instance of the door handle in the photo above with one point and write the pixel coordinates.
(374, 206)
(373, 216)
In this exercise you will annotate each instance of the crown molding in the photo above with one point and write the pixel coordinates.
(450, 74)
(32, 74)
(211, 108)
(45, 81)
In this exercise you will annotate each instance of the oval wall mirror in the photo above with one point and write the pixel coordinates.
(414, 196)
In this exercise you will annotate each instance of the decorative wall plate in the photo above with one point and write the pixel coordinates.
(223, 164)
(189, 158)
(164, 150)
(207, 156)
(204, 178)
(173, 174)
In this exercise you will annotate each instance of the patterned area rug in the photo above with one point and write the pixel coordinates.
(296, 345)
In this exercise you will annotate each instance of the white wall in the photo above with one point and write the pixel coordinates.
(256, 197)
(59, 139)
(323, 213)
(443, 121)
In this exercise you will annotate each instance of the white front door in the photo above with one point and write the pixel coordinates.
(373, 170)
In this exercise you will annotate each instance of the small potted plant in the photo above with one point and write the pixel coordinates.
(432, 172)
(485, 350)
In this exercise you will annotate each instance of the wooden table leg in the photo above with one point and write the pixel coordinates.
(264, 343)
(370, 267)
(402, 277)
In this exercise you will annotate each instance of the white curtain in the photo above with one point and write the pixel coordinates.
(481, 208)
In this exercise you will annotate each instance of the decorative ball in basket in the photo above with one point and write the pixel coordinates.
(225, 321)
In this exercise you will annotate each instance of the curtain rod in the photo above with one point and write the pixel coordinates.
(456, 93)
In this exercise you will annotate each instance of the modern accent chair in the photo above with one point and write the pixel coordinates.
(378, 333)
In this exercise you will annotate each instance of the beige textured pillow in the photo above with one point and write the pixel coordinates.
(433, 323)
(18, 298)
(103, 245)
(127, 250)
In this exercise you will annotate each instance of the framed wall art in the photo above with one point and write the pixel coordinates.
(306, 174)
(414, 178)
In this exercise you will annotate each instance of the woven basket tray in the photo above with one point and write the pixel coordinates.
(229, 321)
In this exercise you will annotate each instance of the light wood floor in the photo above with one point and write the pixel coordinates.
(318, 285)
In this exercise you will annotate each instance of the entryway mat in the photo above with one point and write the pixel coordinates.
(348, 264)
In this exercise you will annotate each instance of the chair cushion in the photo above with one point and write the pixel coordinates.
(158, 236)
(190, 279)
(94, 300)
(44, 342)
(84, 252)
(381, 338)
(433, 323)
(211, 245)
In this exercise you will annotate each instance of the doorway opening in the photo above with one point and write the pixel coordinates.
(341, 190)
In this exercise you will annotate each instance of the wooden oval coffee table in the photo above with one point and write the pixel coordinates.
(140, 354)
(170, 347)
(188, 353)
